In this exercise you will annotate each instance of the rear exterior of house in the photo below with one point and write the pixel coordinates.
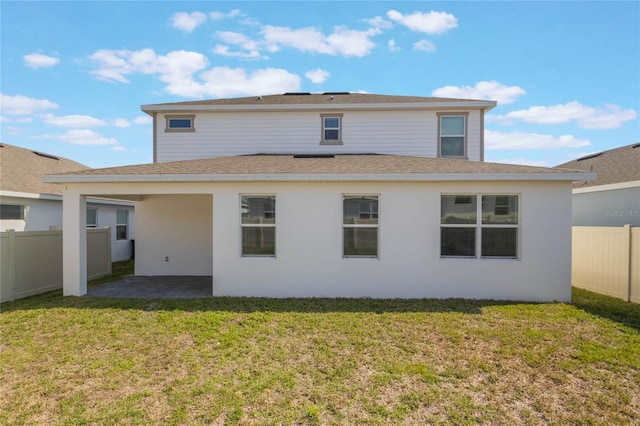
(336, 195)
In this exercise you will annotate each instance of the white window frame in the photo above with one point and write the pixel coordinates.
(479, 226)
(363, 225)
(23, 211)
(323, 139)
(258, 225)
(190, 117)
(119, 224)
(92, 225)
(465, 117)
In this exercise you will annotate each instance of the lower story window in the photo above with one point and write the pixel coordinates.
(122, 225)
(360, 225)
(485, 226)
(11, 212)
(92, 217)
(258, 223)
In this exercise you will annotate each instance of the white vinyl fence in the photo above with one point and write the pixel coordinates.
(31, 261)
(606, 260)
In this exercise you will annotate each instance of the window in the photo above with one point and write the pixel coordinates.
(122, 224)
(258, 213)
(360, 225)
(92, 217)
(452, 132)
(180, 123)
(11, 212)
(486, 226)
(331, 129)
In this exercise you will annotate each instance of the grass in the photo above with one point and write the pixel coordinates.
(66, 360)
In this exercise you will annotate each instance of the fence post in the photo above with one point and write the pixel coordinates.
(11, 234)
(627, 235)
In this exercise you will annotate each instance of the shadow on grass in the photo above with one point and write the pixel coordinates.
(625, 313)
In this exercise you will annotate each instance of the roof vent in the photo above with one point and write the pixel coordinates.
(42, 154)
(297, 94)
(588, 157)
(336, 93)
(314, 156)
(636, 145)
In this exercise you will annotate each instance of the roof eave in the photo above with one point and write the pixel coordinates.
(462, 104)
(321, 177)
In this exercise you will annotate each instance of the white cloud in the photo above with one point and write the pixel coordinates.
(224, 82)
(119, 148)
(22, 105)
(424, 45)
(143, 119)
(317, 76)
(38, 60)
(121, 122)
(73, 121)
(188, 21)
(391, 44)
(483, 90)
(221, 15)
(520, 140)
(429, 23)
(379, 22)
(586, 117)
(252, 47)
(178, 68)
(84, 137)
(342, 41)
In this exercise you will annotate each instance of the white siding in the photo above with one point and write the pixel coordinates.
(382, 132)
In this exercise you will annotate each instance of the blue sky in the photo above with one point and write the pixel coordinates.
(566, 75)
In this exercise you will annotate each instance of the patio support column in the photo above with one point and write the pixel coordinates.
(74, 243)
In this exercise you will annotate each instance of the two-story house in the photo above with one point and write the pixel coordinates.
(335, 194)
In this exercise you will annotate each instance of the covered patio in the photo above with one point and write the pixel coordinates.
(155, 287)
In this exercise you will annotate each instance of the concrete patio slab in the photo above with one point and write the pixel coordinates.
(156, 287)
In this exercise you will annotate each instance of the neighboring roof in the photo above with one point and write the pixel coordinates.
(346, 167)
(21, 170)
(326, 100)
(613, 166)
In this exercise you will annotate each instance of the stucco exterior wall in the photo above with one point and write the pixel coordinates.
(201, 240)
(173, 235)
(383, 132)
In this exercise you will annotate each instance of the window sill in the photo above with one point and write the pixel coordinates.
(332, 143)
(179, 130)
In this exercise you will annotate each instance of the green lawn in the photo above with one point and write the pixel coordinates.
(318, 361)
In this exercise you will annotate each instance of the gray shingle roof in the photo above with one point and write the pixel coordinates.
(317, 99)
(280, 165)
(21, 170)
(613, 166)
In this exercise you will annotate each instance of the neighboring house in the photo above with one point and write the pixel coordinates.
(28, 204)
(335, 195)
(613, 198)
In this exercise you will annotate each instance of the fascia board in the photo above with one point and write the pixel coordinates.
(31, 195)
(322, 177)
(608, 187)
(486, 105)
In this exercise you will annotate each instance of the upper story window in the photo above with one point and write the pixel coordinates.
(331, 129)
(452, 134)
(180, 123)
(11, 212)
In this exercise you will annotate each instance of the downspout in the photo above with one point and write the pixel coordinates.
(155, 137)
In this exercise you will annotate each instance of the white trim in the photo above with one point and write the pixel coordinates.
(486, 105)
(59, 198)
(321, 177)
(608, 187)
